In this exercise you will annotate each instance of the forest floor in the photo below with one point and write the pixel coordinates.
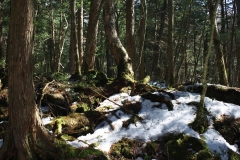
(125, 126)
(157, 121)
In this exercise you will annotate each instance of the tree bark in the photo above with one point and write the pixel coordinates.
(130, 34)
(1, 33)
(61, 41)
(74, 56)
(222, 73)
(91, 41)
(142, 32)
(26, 138)
(238, 42)
(157, 49)
(201, 122)
(80, 34)
(170, 43)
(123, 61)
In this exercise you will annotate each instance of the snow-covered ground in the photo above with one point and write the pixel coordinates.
(158, 121)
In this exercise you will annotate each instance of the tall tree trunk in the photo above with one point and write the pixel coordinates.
(91, 41)
(233, 30)
(170, 43)
(130, 35)
(142, 32)
(61, 40)
(52, 40)
(26, 138)
(238, 42)
(80, 34)
(1, 33)
(222, 73)
(184, 46)
(74, 56)
(201, 122)
(119, 53)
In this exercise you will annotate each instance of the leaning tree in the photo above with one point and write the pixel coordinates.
(26, 138)
(121, 57)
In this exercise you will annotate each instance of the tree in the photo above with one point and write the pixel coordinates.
(170, 42)
(92, 31)
(119, 53)
(130, 35)
(238, 41)
(201, 122)
(1, 34)
(26, 138)
(74, 61)
(80, 34)
(223, 79)
(142, 32)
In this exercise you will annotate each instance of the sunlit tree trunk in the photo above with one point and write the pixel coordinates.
(119, 53)
(170, 42)
(91, 41)
(80, 34)
(201, 122)
(130, 34)
(26, 138)
(222, 73)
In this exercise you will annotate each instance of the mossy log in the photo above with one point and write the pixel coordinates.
(218, 92)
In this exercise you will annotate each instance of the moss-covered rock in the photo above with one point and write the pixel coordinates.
(73, 124)
(69, 152)
(185, 147)
(124, 148)
(178, 146)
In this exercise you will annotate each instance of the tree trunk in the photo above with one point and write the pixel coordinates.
(238, 42)
(130, 35)
(119, 53)
(219, 53)
(74, 56)
(26, 138)
(201, 122)
(142, 32)
(1, 33)
(170, 42)
(80, 34)
(61, 41)
(110, 71)
(91, 41)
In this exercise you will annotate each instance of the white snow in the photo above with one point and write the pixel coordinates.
(160, 121)
(157, 121)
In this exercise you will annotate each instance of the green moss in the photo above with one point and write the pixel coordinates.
(68, 151)
(82, 107)
(71, 124)
(233, 155)
(178, 146)
(124, 147)
(67, 137)
(186, 147)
